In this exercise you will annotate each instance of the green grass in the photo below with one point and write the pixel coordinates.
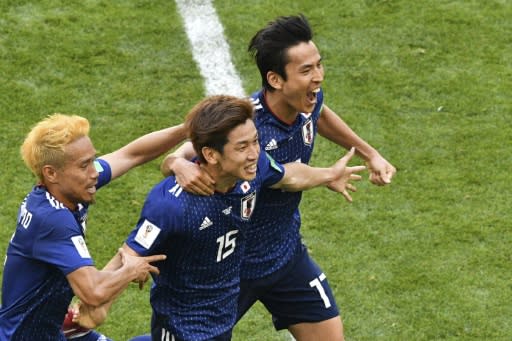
(426, 82)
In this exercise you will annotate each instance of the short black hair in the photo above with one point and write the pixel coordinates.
(270, 45)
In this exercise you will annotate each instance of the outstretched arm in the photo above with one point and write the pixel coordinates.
(299, 176)
(144, 149)
(332, 127)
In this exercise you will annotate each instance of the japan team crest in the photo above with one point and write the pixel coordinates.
(307, 132)
(248, 204)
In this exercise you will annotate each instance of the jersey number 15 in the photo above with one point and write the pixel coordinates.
(227, 245)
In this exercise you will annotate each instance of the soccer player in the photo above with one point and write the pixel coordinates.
(195, 295)
(290, 110)
(47, 260)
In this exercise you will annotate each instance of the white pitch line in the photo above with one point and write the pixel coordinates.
(209, 47)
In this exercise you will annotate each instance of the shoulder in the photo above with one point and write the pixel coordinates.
(168, 191)
(261, 112)
(319, 104)
(257, 99)
(43, 205)
(166, 197)
(267, 162)
(61, 222)
(48, 223)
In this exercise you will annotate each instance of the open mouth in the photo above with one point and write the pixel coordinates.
(311, 95)
(252, 168)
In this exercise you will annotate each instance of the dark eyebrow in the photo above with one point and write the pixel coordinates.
(247, 140)
(306, 66)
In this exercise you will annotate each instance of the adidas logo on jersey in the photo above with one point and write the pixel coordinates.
(206, 223)
(271, 145)
(227, 211)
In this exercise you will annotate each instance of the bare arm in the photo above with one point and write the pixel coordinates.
(116, 262)
(332, 127)
(185, 152)
(95, 287)
(144, 149)
(91, 316)
(189, 175)
(299, 176)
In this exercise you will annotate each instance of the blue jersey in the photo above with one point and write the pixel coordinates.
(47, 245)
(203, 238)
(274, 235)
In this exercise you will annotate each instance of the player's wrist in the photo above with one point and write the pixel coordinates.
(168, 165)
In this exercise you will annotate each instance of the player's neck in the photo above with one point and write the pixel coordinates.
(224, 187)
(280, 108)
(223, 182)
(61, 197)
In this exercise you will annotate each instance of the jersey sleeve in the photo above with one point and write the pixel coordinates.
(62, 243)
(271, 171)
(105, 172)
(161, 216)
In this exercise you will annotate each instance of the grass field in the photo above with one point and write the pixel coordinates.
(428, 83)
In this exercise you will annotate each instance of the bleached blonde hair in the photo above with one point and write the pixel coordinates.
(45, 143)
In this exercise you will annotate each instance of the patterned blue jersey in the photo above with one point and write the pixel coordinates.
(203, 238)
(274, 235)
(47, 245)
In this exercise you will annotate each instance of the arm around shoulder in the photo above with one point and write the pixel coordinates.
(144, 149)
(188, 174)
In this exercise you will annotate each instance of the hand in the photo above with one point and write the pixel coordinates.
(141, 281)
(140, 265)
(381, 171)
(346, 174)
(192, 178)
(80, 318)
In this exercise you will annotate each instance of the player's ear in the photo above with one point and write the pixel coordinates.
(275, 80)
(49, 173)
(210, 155)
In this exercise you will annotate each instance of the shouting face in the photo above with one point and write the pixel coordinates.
(75, 181)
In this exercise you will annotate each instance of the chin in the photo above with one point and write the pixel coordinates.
(90, 200)
(249, 177)
(309, 108)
